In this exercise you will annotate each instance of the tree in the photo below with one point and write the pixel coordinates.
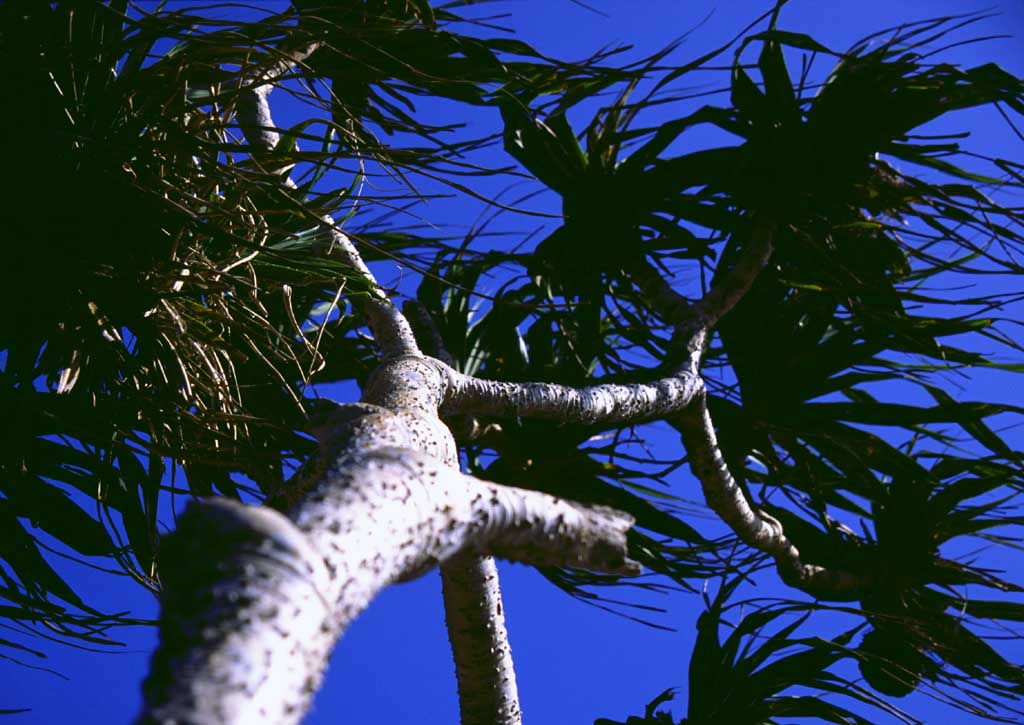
(203, 280)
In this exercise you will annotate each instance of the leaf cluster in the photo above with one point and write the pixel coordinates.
(180, 301)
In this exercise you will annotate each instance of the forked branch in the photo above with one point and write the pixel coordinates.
(681, 399)
(254, 602)
(694, 323)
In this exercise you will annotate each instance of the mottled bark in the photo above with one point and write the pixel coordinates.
(254, 601)
(599, 404)
(475, 618)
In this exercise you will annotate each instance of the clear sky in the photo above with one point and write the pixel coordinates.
(574, 661)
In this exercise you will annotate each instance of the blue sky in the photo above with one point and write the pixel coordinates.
(574, 661)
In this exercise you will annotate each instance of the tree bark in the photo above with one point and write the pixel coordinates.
(475, 617)
(254, 601)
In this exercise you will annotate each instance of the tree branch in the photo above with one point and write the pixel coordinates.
(475, 618)
(254, 603)
(725, 295)
(474, 614)
(389, 327)
(693, 323)
(753, 526)
(621, 404)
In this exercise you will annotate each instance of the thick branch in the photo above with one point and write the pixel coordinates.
(475, 617)
(254, 603)
(753, 526)
(693, 323)
(612, 404)
(417, 512)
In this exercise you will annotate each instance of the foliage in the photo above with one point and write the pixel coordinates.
(182, 303)
(741, 680)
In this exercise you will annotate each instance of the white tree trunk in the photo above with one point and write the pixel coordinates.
(255, 601)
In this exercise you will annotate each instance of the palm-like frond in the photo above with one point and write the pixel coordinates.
(742, 680)
(165, 326)
(149, 327)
